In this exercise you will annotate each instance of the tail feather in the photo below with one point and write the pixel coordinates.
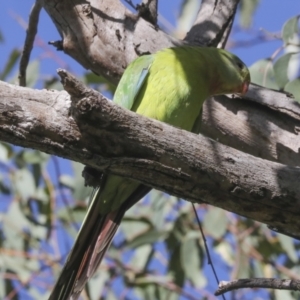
(93, 240)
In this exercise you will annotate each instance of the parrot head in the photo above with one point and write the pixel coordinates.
(232, 75)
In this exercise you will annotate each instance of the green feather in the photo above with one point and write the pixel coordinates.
(130, 85)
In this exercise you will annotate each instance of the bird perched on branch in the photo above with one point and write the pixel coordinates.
(170, 86)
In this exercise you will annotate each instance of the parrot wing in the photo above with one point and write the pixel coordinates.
(130, 85)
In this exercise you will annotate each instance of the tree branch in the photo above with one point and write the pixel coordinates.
(267, 283)
(148, 10)
(265, 124)
(178, 162)
(29, 40)
(106, 38)
(214, 19)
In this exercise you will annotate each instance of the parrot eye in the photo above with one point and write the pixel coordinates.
(240, 65)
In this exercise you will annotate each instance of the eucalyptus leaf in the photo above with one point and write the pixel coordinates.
(141, 256)
(17, 264)
(132, 227)
(35, 293)
(158, 206)
(13, 224)
(110, 296)
(163, 293)
(9, 287)
(247, 9)
(4, 187)
(38, 232)
(4, 152)
(215, 222)
(9, 148)
(290, 29)
(262, 73)
(41, 195)
(281, 70)
(293, 87)
(258, 269)
(81, 192)
(37, 173)
(225, 250)
(190, 256)
(284, 294)
(97, 283)
(287, 244)
(33, 73)
(294, 63)
(67, 181)
(35, 157)
(149, 292)
(24, 184)
(2, 286)
(188, 13)
(175, 267)
(149, 237)
(11, 63)
(242, 264)
(70, 214)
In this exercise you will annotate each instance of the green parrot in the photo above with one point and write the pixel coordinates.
(170, 86)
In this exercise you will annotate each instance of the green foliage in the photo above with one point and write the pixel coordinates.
(246, 10)
(290, 29)
(1, 37)
(278, 72)
(188, 13)
(11, 63)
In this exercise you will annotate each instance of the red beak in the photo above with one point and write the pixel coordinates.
(245, 87)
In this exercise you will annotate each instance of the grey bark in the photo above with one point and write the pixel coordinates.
(190, 166)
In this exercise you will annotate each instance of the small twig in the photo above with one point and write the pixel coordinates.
(269, 283)
(28, 44)
(206, 248)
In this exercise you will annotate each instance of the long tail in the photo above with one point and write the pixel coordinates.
(93, 240)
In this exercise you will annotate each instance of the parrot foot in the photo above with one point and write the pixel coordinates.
(92, 177)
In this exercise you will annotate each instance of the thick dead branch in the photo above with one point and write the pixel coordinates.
(87, 128)
(267, 283)
(214, 19)
(106, 38)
